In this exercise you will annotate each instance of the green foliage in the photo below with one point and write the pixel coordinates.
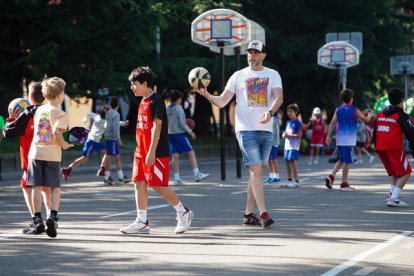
(95, 44)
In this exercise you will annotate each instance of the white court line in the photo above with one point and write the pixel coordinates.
(10, 235)
(239, 192)
(133, 211)
(365, 270)
(363, 255)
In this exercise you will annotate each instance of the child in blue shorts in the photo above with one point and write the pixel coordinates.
(292, 135)
(273, 164)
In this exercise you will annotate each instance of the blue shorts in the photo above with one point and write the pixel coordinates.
(273, 152)
(112, 147)
(255, 146)
(291, 155)
(345, 154)
(90, 146)
(179, 143)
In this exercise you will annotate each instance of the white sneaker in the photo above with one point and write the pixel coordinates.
(293, 184)
(371, 159)
(178, 182)
(359, 161)
(396, 203)
(310, 162)
(184, 221)
(137, 227)
(315, 162)
(284, 184)
(200, 176)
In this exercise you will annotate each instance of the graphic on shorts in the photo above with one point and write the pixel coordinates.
(257, 91)
(44, 133)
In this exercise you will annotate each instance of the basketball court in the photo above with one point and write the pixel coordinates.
(317, 231)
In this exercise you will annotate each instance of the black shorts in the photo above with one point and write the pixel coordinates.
(43, 173)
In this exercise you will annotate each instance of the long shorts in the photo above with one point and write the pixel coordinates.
(273, 152)
(43, 173)
(291, 155)
(179, 143)
(90, 146)
(156, 175)
(345, 154)
(112, 147)
(255, 146)
(395, 162)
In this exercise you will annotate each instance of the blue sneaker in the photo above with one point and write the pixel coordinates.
(268, 180)
(274, 180)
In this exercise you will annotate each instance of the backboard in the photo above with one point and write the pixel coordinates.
(338, 54)
(220, 27)
(353, 38)
(401, 65)
(257, 32)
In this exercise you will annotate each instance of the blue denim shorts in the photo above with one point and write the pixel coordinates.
(255, 146)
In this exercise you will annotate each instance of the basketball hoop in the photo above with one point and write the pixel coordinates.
(220, 28)
(338, 54)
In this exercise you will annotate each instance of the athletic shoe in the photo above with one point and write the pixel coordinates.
(265, 220)
(184, 221)
(329, 180)
(285, 184)
(346, 188)
(359, 161)
(110, 181)
(200, 176)
(316, 162)
(267, 180)
(371, 159)
(31, 229)
(125, 180)
(51, 224)
(271, 180)
(101, 172)
(137, 227)
(178, 182)
(251, 220)
(396, 203)
(38, 226)
(293, 184)
(310, 162)
(65, 172)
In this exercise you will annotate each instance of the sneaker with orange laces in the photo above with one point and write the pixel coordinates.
(346, 188)
(329, 180)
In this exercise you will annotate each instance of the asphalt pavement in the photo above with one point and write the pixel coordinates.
(317, 231)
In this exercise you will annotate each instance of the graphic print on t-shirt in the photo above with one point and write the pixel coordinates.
(257, 91)
(44, 133)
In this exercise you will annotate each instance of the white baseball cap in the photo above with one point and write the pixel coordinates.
(316, 110)
(256, 45)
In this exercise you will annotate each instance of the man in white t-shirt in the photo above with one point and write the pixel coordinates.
(259, 94)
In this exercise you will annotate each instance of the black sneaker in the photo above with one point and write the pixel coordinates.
(125, 180)
(31, 229)
(265, 220)
(110, 181)
(251, 220)
(38, 226)
(51, 224)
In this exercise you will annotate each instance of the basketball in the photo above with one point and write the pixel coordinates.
(199, 77)
(190, 123)
(19, 103)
